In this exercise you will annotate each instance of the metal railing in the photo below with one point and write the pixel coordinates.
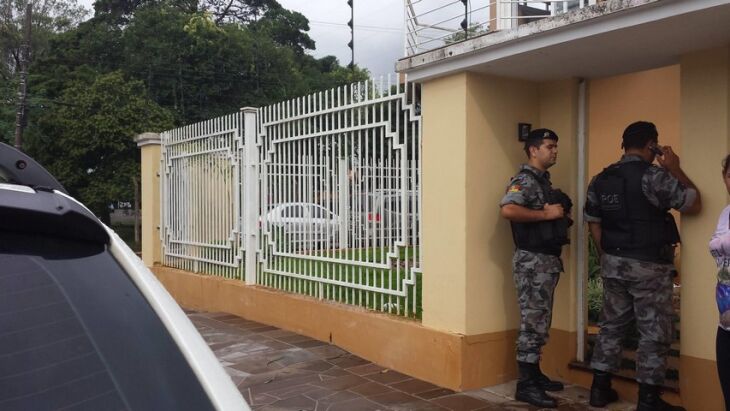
(201, 197)
(318, 195)
(340, 180)
(430, 24)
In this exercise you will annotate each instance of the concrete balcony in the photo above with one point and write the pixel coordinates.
(609, 38)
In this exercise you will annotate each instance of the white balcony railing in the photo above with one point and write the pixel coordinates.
(430, 24)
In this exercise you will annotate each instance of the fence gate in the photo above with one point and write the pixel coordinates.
(321, 197)
(201, 197)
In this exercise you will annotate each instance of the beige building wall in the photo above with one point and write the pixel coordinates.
(494, 108)
(705, 131)
(468, 247)
(615, 102)
(559, 112)
(470, 138)
(472, 167)
(444, 204)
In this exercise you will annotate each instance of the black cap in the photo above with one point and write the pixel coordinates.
(637, 133)
(541, 134)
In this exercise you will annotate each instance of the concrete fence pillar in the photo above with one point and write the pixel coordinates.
(149, 144)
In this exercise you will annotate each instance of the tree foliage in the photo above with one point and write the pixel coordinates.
(150, 65)
(49, 18)
(85, 138)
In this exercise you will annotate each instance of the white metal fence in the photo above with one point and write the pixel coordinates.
(201, 196)
(318, 195)
(431, 24)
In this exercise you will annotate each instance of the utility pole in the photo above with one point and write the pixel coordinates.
(351, 23)
(20, 116)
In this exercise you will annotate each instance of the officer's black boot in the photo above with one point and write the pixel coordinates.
(528, 390)
(650, 400)
(601, 392)
(546, 383)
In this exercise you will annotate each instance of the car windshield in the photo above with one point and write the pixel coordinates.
(68, 317)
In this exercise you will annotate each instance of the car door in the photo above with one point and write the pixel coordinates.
(323, 225)
(294, 219)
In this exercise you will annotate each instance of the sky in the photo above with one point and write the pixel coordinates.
(378, 30)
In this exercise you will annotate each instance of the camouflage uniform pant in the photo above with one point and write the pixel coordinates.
(648, 301)
(535, 278)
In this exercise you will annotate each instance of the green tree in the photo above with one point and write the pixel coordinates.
(153, 64)
(86, 138)
(49, 18)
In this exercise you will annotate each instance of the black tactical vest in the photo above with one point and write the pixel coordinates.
(630, 225)
(545, 237)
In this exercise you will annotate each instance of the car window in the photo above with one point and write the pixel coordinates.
(76, 333)
(293, 211)
(319, 212)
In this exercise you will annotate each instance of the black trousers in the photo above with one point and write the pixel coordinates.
(723, 363)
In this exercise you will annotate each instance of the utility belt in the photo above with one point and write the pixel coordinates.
(660, 255)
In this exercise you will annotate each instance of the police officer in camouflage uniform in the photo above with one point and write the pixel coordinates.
(538, 215)
(627, 212)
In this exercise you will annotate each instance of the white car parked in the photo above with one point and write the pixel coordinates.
(299, 226)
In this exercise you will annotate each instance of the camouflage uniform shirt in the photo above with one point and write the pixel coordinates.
(662, 190)
(524, 190)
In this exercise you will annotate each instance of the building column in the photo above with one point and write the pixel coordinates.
(149, 144)
(705, 136)
(470, 151)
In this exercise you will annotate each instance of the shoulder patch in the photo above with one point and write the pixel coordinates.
(514, 188)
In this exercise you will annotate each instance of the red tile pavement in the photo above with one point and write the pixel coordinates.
(278, 370)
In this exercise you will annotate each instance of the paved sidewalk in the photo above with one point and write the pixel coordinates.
(279, 370)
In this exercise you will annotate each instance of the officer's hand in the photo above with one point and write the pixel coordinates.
(553, 211)
(669, 159)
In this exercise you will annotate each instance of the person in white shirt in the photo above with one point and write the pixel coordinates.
(720, 250)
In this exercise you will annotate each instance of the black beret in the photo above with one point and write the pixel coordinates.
(541, 134)
(640, 128)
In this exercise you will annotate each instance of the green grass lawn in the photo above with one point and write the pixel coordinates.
(347, 272)
(351, 273)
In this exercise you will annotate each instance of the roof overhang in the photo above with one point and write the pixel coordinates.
(614, 37)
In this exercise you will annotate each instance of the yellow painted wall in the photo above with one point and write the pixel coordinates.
(615, 102)
(495, 106)
(705, 141)
(150, 192)
(468, 285)
(559, 112)
(444, 204)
